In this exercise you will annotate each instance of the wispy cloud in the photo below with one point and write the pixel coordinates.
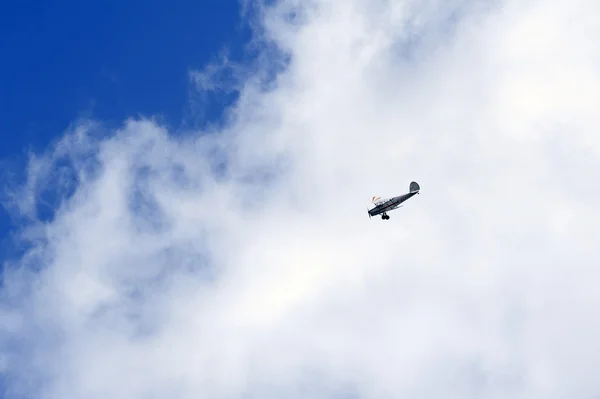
(242, 263)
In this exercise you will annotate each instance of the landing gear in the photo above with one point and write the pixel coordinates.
(385, 216)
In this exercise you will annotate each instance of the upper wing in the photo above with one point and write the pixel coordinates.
(376, 200)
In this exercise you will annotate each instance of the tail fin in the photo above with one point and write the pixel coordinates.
(414, 187)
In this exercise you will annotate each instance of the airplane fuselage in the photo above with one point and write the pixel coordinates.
(390, 204)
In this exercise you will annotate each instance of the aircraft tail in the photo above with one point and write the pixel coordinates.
(414, 187)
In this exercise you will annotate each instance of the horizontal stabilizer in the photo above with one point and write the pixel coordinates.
(414, 187)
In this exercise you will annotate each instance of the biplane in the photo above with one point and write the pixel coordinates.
(383, 206)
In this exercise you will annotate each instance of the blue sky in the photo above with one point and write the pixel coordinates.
(105, 59)
(108, 60)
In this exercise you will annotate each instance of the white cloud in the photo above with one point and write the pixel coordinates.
(168, 276)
